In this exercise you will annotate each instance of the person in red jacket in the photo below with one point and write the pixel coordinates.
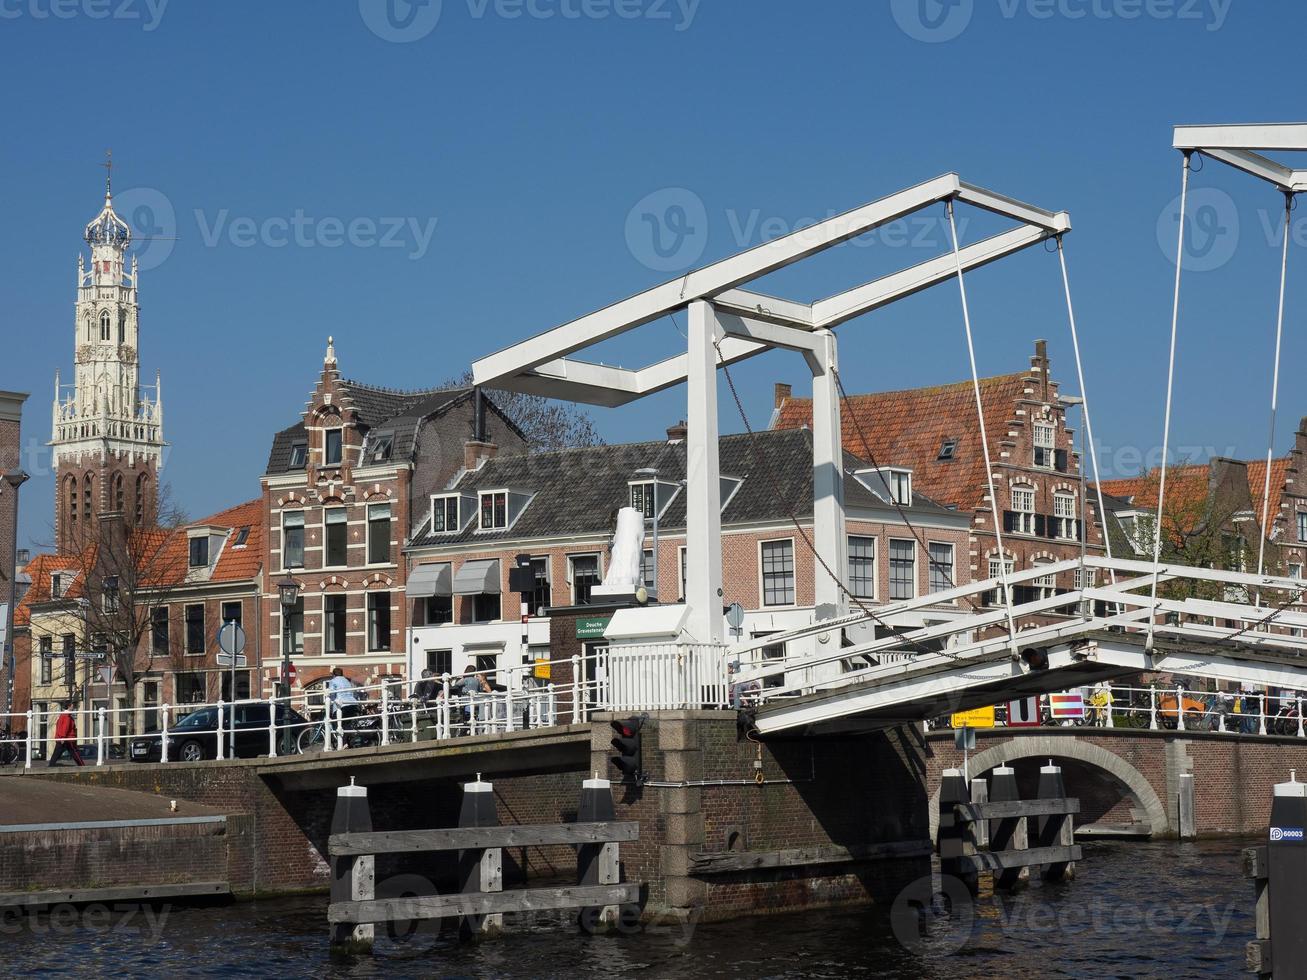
(65, 737)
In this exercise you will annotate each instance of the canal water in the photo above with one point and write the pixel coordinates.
(1135, 910)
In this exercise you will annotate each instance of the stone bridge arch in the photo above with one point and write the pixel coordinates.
(1128, 779)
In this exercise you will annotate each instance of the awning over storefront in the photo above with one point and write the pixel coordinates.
(477, 577)
(429, 580)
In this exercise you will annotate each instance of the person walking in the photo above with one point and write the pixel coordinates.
(65, 737)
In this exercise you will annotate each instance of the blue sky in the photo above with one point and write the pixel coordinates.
(461, 182)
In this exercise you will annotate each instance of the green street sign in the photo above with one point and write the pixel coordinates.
(592, 627)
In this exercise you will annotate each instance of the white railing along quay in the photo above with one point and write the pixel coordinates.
(639, 678)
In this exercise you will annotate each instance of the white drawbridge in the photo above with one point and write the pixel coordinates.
(1251, 634)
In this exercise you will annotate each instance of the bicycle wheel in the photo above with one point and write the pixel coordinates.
(311, 740)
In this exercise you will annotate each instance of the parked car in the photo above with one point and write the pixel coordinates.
(194, 738)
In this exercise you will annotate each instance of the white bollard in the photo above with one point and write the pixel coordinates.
(1179, 708)
(31, 743)
(1300, 717)
(221, 747)
(101, 743)
(272, 728)
(385, 715)
(1261, 710)
(1152, 708)
(163, 733)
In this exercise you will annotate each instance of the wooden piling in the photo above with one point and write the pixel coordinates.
(480, 869)
(353, 876)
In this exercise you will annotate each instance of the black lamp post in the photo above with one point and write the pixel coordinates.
(288, 590)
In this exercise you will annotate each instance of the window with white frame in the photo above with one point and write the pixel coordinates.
(1045, 445)
(333, 447)
(378, 607)
(778, 573)
(997, 569)
(1085, 578)
(494, 510)
(1023, 510)
(1064, 514)
(1302, 525)
(1295, 570)
(647, 570)
(940, 577)
(583, 573)
(378, 534)
(902, 569)
(900, 486)
(1045, 585)
(336, 537)
(444, 515)
(292, 539)
(681, 561)
(862, 566)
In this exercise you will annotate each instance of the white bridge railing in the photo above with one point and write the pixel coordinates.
(1269, 618)
(631, 678)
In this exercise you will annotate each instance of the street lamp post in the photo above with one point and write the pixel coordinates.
(651, 588)
(288, 590)
(13, 480)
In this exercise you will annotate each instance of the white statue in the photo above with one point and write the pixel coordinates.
(624, 564)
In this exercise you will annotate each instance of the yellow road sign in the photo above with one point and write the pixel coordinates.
(975, 718)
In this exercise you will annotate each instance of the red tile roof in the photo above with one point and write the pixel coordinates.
(907, 428)
(169, 558)
(40, 569)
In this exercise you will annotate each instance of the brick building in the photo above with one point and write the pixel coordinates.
(559, 508)
(11, 478)
(343, 490)
(1226, 493)
(934, 433)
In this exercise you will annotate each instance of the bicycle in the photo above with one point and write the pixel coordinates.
(13, 747)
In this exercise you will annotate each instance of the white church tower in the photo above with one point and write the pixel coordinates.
(108, 428)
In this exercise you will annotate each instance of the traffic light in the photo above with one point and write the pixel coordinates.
(1035, 658)
(626, 746)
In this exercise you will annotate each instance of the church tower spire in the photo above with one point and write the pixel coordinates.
(108, 428)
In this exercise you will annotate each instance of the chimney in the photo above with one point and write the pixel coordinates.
(677, 432)
(1039, 366)
(782, 393)
(476, 452)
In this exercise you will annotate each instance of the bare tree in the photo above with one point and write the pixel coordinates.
(1203, 525)
(127, 575)
(547, 423)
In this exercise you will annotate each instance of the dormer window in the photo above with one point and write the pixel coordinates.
(948, 450)
(242, 536)
(199, 552)
(446, 514)
(299, 454)
(380, 447)
(56, 585)
(494, 510)
(727, 485)
(890, 484)
(333, 447)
